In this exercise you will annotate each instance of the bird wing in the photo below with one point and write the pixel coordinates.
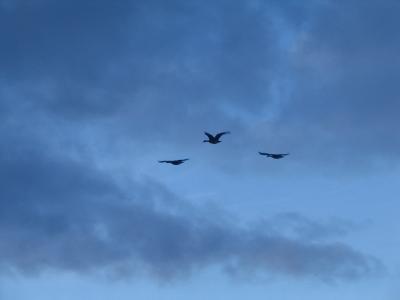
(221, 134)
(163, 161)
(210, 136)
(263, 153)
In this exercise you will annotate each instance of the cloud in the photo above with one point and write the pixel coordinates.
(292, 224)
(142, 57)
(99, 75)
(63, 214)
(315, 79)
(344, 93)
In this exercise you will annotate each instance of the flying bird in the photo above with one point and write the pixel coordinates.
(274, 155)
(214, 139)
(174, 162)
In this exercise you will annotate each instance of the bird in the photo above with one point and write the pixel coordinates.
(174, 162)
(214, 139)
(274, 156)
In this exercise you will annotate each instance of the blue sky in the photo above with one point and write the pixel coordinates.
(94, 93)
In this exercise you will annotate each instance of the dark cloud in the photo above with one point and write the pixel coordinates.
(145, 56)
(78, 75)
(315, 79)
(64, 214)
(345, 94)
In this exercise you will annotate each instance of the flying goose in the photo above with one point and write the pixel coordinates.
(274, 156)
(174, 162)
(214, 139)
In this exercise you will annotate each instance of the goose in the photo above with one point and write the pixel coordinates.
(174, 162)
(274, 156)
(214, 139)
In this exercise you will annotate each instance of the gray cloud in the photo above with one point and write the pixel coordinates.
(292, 224)
(316, 77)
(132, 68)
(144, 57)
(344, 98)
(57, 213)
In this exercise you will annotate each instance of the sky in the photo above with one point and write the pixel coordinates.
(94, 93)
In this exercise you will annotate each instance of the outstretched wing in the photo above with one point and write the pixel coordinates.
(210, 136)
(221, 134)
(263, 153)
(163, 161)
(182, 160)
(284, 154)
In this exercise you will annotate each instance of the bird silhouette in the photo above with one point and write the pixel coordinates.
(274, 155)
(174, 162)
(214, 139)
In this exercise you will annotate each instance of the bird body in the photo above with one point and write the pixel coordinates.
(214, 139)
(274, 155)
(174, 162)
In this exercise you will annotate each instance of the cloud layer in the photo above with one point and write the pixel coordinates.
(57, 213)
(315, 79)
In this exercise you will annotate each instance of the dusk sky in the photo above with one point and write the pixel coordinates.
(94, 93)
